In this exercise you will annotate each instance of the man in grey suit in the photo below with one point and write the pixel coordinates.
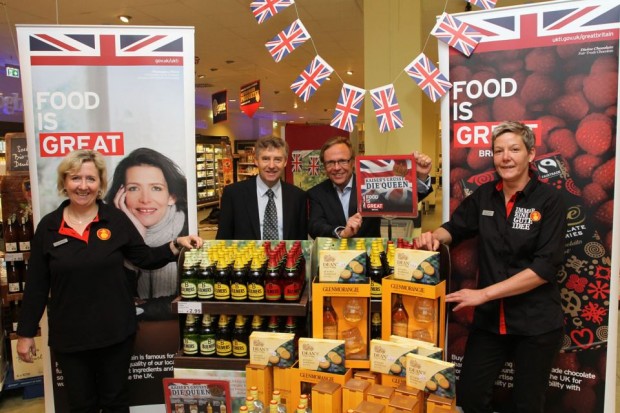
(264, 207)
(333, 202)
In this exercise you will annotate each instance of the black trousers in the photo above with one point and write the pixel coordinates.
(485, 355)
(97, 380)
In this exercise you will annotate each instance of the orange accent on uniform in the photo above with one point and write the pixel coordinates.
(70, 232)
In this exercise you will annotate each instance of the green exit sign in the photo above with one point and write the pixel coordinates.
(12, 71)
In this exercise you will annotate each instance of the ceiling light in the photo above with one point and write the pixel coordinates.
(349, 72)
(124, 18)
(328, 78)
(295, 105)
(232, 100)
(201, 76)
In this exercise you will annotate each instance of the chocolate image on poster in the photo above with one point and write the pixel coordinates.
(387, 185)
(564, 86)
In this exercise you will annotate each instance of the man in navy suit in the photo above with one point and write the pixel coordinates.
(244, 203)
(333, 202)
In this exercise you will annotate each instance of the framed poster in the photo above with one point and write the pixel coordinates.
(196, 395)
(387, 186)
(16, 154)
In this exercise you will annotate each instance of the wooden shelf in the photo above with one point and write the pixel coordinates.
(217, 363)
(299, 309)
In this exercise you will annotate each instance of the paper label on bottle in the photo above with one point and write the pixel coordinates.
(24, 245)
(240, 349)
(256, 292)
(375, 290)
(273, 291)
(14, 287)
(190, 346)
(207, 346)
(223, 348)
(10, 246)
(330, 332)
(222, 291)
(399, 328)
(205, 291)
(292, 291)
(238, 292)
(188, 290)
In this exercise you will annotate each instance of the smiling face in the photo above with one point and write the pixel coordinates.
(270, 162)
(511, 158)
(338, 161)
(82, 185)
(147, 195)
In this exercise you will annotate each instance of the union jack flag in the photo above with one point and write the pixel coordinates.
(484, 4)
(428, 77)
(106, 49)
(265, 9)
(457, 34)
(314, 165)
(548, 25)
(386, 108)
(296, 162)
(348, 107)
(311, 78)
(287, 40)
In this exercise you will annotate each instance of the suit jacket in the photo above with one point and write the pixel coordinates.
(239, 215)
(326, 212)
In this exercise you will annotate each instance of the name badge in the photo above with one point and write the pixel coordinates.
(62, 241)
(487, 213)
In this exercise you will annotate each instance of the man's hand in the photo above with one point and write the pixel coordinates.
(423, 164)
(354, 223)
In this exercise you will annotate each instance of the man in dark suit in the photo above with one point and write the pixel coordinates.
(333, 202)
(249, 207)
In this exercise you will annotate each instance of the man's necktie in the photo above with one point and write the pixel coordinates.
(270, 222)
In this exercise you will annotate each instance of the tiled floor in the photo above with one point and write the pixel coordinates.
(12, 402)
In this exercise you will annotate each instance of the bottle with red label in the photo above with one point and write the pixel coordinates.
(292, 281)
(273, 281)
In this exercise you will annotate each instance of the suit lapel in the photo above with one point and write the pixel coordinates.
(251, 200)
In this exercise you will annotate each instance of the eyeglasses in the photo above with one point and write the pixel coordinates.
(340, 162)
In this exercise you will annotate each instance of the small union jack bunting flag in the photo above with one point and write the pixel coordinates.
(287, 40)
(263, 10)
(428, 77)
(311, 78)
(484, 4)
(296, 162)
(457, 34)
(348, 107)
(314, 165)
(386, 108)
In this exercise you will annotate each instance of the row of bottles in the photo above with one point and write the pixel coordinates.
(18, 233)
(230, 336)
(16, 272)
(253, 273)
(276, 405)
(211, 406)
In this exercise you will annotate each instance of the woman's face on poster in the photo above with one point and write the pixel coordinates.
(147, 195)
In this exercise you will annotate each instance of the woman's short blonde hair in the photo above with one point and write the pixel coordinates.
(74, 161)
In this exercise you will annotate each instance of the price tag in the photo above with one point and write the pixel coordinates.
(14, 256)
(189, 307)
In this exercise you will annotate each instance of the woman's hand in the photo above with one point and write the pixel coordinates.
(427, 241)
(466, 298)
(119, 202)
(189, 242)
(26, 349)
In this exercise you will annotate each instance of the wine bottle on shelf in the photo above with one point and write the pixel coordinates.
(330, 320)
(204, 286)
(400, 318)
(24, 236)
(273, 282)
(222, 281)
(24, 275)
(189, 288)
(375, 326)
(190, 336)
(239, 281)
(12, 277)
(291, 280)
(10, 235)
(207, 337)
(223, 338)
(241, 338)
(15, 310)
(256, 280)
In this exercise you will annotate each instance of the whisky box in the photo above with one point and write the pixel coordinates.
(272, 349)
(433, 376)
(418, 266)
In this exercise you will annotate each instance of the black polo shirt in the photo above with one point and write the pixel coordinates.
(531, 235)
(90, 296)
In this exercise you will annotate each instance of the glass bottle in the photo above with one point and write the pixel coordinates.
(10, 235)
(223, 407)
(12, 277)
(24, 275)
(239, 281)
(221, 281)
(277, 397)
(259, 406)
(24, 235)
(189, 288)
(291, 279)
(223, 339)
(375, 326)
(274, 324)
(249, 404)
(400, 318)
(207, 337)
(241, 338)
(190, 336)
(330, 320)
(256, 280)
(205, 287)
(257, 323)
(273, 282)
(375, 274)
(15, 310)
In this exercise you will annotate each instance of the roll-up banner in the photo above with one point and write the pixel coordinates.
(553, 66)
(127, 92)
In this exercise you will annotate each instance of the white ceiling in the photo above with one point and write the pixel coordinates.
(229, 39)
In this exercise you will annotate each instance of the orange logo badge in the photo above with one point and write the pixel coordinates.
(535, 216)
(104, 234)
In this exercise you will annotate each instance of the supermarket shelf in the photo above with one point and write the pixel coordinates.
(219, 363)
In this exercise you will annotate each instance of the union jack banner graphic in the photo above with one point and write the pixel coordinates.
(263, 10)
(348, 107)
(457, 34)
(314, 165)
(484, 4)
(311, 78)
(428, 77)
(548, 27)
(105, 50)
(296, 162)
(386, 108)
(287, 40)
